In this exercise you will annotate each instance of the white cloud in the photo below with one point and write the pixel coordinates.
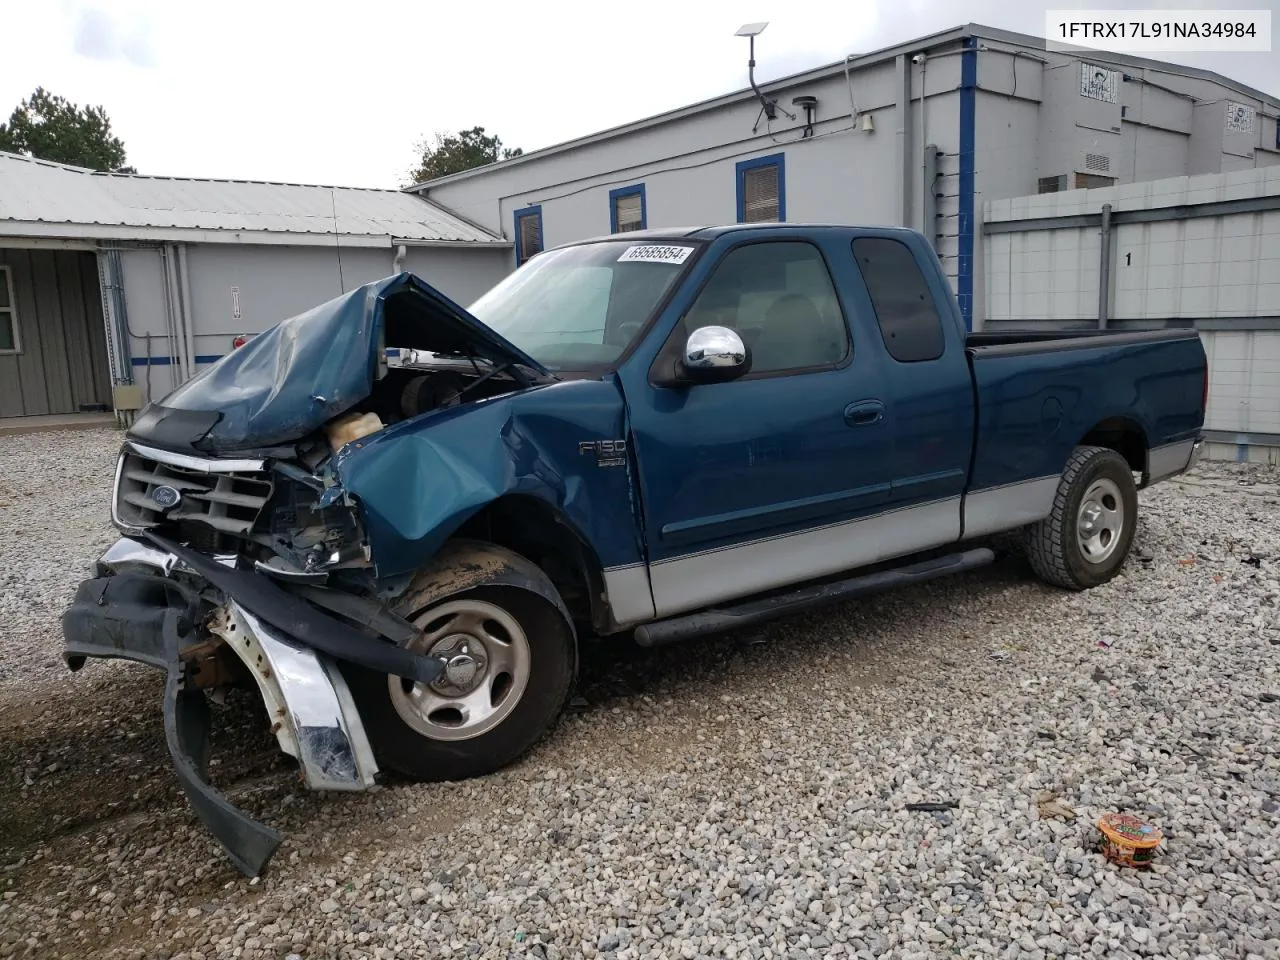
(100, 35)
(333, 92)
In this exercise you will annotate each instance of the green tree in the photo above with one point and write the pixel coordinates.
(51, 128)
(453, 153)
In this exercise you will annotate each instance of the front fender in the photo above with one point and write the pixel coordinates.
(417, 482)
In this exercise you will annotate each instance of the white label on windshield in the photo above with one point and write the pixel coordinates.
(655, 253)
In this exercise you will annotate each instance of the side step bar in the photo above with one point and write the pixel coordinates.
(662, 632)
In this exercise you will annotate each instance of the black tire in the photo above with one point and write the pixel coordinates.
(469, 571)
(1052, 545)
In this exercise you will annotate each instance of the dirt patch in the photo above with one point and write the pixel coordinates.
(66, 771)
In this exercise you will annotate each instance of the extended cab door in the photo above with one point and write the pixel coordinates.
(916, 329)
(784, 474)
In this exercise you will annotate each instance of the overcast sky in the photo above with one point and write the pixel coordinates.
(340, 93)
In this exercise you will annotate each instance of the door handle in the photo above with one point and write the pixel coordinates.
(864, 412)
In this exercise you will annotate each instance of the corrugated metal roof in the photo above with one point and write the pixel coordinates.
(36, 191)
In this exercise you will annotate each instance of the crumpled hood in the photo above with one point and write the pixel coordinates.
(295, 376)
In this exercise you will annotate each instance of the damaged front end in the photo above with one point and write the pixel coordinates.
(279, 617)
(244, 560)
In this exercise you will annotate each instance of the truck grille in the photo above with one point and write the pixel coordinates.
(207, 492)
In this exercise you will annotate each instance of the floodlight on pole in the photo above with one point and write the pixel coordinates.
(768, 104)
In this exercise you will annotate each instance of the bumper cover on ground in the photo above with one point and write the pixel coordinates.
(135, 611)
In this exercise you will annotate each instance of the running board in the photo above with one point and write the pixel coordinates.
(662, 632)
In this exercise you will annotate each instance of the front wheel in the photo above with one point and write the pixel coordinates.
(1085, 539)
(494, 621)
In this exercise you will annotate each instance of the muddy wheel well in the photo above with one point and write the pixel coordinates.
(535, 530)
(1124, 437)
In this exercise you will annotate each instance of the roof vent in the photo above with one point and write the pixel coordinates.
(1097, 161)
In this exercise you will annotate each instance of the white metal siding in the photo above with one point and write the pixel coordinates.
(1209, 267)
(1244, 381)
(1042, 275)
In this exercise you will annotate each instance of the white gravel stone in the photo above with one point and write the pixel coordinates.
(733, 797)
(55, 503)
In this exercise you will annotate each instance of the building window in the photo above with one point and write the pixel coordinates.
(8, 316)
(528, 233)
(904, 308)
(1052, 184)
(626, 209)
(762, 190)
(1092, 181)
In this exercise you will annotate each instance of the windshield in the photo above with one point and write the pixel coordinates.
(581, 307)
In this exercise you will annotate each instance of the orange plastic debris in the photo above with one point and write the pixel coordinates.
(1128, 841)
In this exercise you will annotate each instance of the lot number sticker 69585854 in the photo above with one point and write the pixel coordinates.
(655, 253)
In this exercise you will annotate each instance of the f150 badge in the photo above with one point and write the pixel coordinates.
(608, 453)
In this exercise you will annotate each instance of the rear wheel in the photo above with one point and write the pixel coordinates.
(508, 651)
(1085, 539)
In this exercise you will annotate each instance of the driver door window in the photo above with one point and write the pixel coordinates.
(779, 298)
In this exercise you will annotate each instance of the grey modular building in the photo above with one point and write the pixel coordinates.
(922, 134)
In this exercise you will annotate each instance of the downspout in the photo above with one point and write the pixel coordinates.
(398, 259)
(122, 313)
(924, 65)
(903, 137)
(176, 358)
(184, 286)
(1104, 269)
(179, 344)
(966, 218)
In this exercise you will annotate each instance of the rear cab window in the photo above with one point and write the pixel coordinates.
(904, 306)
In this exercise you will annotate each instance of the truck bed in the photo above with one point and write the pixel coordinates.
(1038, 394)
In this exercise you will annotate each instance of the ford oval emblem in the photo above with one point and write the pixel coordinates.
(165, 497)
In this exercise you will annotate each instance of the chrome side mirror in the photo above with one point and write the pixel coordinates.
(715, 354)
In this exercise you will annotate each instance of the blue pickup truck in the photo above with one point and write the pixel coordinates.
(398, 517)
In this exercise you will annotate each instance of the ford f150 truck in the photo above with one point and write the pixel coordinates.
(397, 516)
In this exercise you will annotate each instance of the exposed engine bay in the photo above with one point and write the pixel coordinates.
(414, 382)
(288, 514)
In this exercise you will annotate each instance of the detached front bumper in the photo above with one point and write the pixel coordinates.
(149, 602)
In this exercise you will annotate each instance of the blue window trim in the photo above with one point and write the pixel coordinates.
(774, 159)
(530, 211)
(965, 225)
(166, 361)
(616, 195)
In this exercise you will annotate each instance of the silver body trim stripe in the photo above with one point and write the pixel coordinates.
(627, 590)
(995, 509)
(1169, 459)
(727, 573)
(707, 577)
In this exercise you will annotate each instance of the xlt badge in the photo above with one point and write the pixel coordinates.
(608, 453)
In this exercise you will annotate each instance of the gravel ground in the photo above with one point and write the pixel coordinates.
(55, 503)
(735, 797)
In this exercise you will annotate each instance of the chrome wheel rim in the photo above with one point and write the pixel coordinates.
(486, 661)
(1100, 521)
